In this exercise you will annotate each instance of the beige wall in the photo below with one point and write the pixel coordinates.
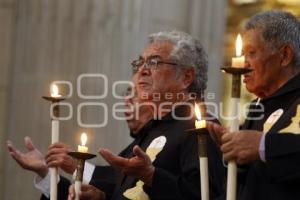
(7, 31)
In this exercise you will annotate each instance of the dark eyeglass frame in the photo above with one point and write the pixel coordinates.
(137, 64)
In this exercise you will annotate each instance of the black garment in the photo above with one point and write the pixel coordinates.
(176, 173)
(62, 189)
(104, 178)
(176, 166)
(278, 177)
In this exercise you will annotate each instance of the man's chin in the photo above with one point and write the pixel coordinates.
(145, 95)
(251, 88)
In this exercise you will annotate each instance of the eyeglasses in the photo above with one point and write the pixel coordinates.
(150, 63)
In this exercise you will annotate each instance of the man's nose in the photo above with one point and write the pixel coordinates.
(247, 64)
(144, 71)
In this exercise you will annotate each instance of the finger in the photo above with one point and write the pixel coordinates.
(59, 145)
(226, 147)
(10, 146)
(56, 152)
(60, 156)
(229, 156)
(139, 152)
(216, 131)
(52, 158)
(87, 191)
(15, 153)
(86, 194)
(64, 164)
(227, 137)
(72, 191)
(55, 161)
(85, 187)
(54, 164)
(113, 160)
(28, 143)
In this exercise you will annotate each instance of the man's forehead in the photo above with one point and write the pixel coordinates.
(162, 49)
(252, 37)
(256, 33)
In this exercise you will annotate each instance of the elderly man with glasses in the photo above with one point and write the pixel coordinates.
(163, 163)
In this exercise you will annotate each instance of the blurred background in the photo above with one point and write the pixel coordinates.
(46, 40)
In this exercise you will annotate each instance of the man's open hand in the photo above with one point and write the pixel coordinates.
(139, 166)
(32, 160)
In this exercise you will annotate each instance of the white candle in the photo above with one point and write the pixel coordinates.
(82, 148)
(199, 123)
(232, 168)
(239, 60)
(54, 139)
(77, 190)
(54, 171)
(204, 178)
(203, 161)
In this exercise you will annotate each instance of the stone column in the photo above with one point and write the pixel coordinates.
(207, 21)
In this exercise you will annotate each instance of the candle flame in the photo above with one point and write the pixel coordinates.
(238, 45)
(197, 112)
(83, 139)
(54, 91)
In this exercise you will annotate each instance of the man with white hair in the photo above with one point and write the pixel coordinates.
(269, 145)
(164, 163)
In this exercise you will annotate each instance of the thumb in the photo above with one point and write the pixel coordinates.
(28, 143)
(139, 152)
(85, 187)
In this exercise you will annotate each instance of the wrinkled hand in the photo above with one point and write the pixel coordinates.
(139, 166)
(216, 131)
(242, 146)
(57, 156)
(32, 160)
(88, 192)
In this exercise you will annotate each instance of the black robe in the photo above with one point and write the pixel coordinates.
(176, 173)
(279, 177)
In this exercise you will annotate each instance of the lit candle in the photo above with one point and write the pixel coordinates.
(82, 148)
(203, 160)
(54, 139)
(54, 91)
(239, 60)
(199, 123)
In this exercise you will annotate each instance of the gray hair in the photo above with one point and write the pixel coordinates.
(278, 28)
(187, 51)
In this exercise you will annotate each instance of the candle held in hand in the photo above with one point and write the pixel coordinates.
(199, 123)
(239, 60)
(82, 148)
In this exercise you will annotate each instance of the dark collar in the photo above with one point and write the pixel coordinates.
(290, 86)
(180, 110)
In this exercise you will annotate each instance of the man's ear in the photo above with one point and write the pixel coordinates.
(188, 77)
(286, 55)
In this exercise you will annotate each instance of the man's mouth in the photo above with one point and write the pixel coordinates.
(246, 78)
(143, 83)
